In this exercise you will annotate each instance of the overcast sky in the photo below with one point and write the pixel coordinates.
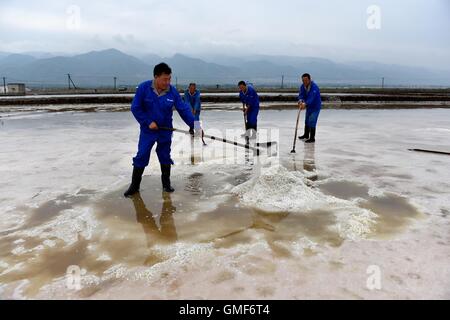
(409, 32)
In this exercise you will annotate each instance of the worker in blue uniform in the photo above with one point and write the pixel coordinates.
(192, 98)
(152, 107)
(309, 98)
(249, 97)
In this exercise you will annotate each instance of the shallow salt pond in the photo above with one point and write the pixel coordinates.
(304, 225)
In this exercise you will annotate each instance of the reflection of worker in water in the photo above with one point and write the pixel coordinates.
(309, 161)
(197, 153)
(166, 232)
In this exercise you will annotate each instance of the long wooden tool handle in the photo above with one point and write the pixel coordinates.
(296, 128)
(246, 146)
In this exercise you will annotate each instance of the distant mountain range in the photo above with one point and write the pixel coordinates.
(98, 68)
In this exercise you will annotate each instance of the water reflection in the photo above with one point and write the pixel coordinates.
(157, 229)
(309, 161)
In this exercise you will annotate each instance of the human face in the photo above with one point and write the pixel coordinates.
(243, 88)
(162, 82)
(192, 89)
(306, 82)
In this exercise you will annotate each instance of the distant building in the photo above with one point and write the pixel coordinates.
(16, 89)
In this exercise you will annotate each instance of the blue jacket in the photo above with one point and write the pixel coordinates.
(312, 99)
(194, 100)
(147, 107)
(251, 98)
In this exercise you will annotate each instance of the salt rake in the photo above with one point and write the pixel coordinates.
(256, 149)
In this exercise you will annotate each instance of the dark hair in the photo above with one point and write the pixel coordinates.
(306, 75)
(192, 84)
(161, 68)
(242, 83)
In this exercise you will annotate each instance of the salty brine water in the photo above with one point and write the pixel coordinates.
(314, 224)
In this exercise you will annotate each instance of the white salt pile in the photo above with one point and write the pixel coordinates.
(278, 190)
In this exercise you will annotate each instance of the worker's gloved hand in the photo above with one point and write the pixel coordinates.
(191, 131)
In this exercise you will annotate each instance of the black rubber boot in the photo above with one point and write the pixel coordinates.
(246, 133)
(312, 138)
(135, 182)
(306, 134)
(165, 178)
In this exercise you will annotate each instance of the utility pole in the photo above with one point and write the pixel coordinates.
(282, 82)
(382, 83)
(4, 85)
(115, 83)
(69, 79)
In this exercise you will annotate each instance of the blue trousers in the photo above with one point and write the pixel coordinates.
(252, 119)
(146, 142)
(197, 115)
(311, 118)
